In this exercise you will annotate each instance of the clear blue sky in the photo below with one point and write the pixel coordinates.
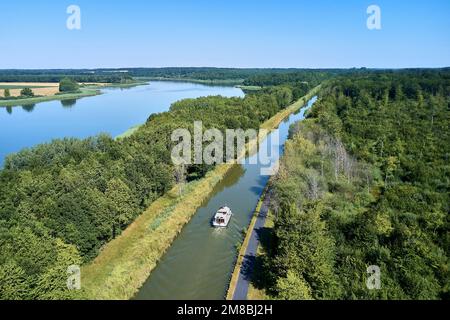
(224, 33)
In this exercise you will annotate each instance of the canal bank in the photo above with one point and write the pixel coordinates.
(200, 261)
(238, 277)
(125, 263)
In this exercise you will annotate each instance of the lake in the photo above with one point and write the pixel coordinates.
(113, 112)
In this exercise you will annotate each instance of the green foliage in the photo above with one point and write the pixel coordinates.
(365, 181)
(26, 92)
(6, 93)
(80, 75)
(293, 287)
(62, 201)
(305, 246)
(33, 264)
(68, 85)
(13, 282)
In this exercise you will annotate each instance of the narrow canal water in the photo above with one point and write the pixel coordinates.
(200, 261)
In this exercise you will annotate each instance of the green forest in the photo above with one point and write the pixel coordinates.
(251, 76)
(365, 180)
(62, 201)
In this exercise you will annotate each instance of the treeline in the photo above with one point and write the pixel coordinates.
(187, 73)
(57, 75)
(62, 201)
(250, 76)
(300, 81)
(201, 73)
(311, 77)
(365, 181)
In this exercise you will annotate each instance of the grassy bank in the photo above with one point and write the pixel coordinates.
(253, 292)
(280, 116)
(243, 249)
(268, 125)
(249, 88)
(126, 85)
(129, 132)
(84, 92)
(126, 262)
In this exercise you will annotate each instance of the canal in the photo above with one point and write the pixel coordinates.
(200, 261)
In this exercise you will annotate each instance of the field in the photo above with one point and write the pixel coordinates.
(39, 88)
(45, 91)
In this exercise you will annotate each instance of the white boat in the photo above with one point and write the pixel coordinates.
(222, 217)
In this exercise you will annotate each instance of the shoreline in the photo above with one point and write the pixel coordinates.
(243, 249)
(88, 91)
(240, 256)
(126, 262)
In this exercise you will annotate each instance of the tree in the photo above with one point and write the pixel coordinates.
(6, 93)
(52, 283)
(385, 199)
(13, 285)
(121, 206)
(305, 248)
(26, 92)
(293, 287)
(180, 176)
(68, 85)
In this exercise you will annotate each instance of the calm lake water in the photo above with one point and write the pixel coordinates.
(113, 112)
(199, 263)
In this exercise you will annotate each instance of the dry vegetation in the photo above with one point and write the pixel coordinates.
(39, 88)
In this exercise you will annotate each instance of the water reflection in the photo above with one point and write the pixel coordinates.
(232, 176)
(199, 262)
(113, 112)
(68, 103)
(28, 107)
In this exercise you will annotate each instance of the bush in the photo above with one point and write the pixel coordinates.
(68, 85)
(26, 92)
(6, 93)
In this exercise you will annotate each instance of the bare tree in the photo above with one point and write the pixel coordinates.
(349, 167)
(180, 177)
(340, 156)
(274, 202)
(313, 192)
